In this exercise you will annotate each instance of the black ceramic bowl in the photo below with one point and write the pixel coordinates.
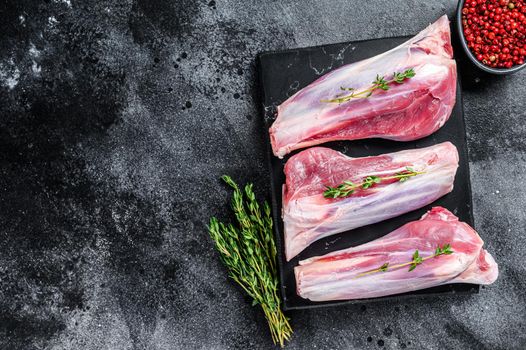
(499, 71)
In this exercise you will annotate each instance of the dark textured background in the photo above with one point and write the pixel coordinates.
(117, 119)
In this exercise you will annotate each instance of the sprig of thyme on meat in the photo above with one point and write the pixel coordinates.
(379, 83)
(347, 188)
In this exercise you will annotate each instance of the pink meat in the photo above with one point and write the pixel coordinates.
(335, 276)
(407, 111)
(309, 216)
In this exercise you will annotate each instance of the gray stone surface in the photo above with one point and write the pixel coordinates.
(117, 119)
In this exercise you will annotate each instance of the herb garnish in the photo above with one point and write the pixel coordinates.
(417, 260)
(378, 83)
(249, 252)
(347, 187)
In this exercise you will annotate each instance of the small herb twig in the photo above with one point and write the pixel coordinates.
(348, 187)
(378, 83)
(417, 260)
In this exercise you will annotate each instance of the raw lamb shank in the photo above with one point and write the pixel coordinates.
(437, 249)
(327, 192)
(408, 109)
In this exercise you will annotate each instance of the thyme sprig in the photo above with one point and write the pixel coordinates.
(248, 250)
(348, 187)
(417, 260)
(379, 83)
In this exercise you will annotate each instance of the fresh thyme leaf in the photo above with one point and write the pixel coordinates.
(379, 80)
(370, 181)
(398, 78)
(409, 73)
(384, 267)
(417, 260)
(446, 249)
(379, 83)
(415, 255)
(404, 175)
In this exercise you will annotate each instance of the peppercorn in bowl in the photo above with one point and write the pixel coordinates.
(493, 33)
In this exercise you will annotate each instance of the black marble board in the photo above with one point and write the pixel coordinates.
(283, 73)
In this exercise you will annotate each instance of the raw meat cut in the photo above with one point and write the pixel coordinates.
(408, 111)
(354, 273)
(309, 216)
